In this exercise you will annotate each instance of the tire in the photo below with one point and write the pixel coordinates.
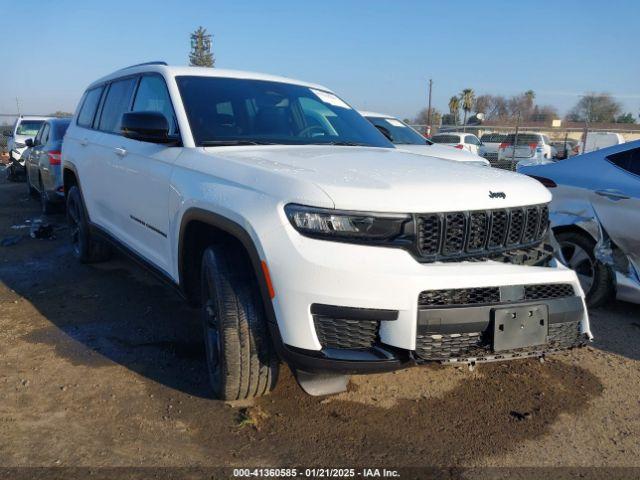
(30, 190)
(86, 248)
(601, 288)
(46, 206)
(12, 176)
(241, 360)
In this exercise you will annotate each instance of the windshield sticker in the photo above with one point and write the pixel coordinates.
(330, 98)
(395, 123)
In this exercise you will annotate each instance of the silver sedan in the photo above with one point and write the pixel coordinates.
(595, 214)
(42, 163)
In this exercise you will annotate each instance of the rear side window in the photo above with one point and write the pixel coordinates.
(44, 139)
(117, 102)
(629, 160)
(152, 96)
(471, 140)
(89, 107)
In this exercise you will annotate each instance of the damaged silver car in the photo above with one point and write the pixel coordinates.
(595, 215)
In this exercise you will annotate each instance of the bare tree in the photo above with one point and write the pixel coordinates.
(595, 108)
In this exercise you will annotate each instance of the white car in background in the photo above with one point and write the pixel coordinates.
(530, 149)
(25, 127)
(598, 140)
(489, 145)
(406, 138)
(461, 141)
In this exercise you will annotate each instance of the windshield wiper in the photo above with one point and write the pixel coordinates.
(345, 144)
(226, 143)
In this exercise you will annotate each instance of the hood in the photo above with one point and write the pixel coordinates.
(443, 151)
(390, 180)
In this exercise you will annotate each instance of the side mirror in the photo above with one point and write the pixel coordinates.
(29, 142)
(151, 127)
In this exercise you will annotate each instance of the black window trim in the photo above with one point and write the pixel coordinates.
(96, 120)
(173, 109)
(612, 162)
(84, 99)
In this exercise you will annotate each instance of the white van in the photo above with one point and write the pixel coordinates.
(598, 140)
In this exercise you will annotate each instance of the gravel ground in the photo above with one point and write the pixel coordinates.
(101, 366)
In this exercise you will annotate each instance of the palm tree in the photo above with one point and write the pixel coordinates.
(454, 108)
(468, 98)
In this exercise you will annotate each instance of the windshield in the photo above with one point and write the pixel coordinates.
(398, 132)
(29, 127)
(232, 111)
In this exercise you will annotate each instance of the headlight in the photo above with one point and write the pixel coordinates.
(360, 227)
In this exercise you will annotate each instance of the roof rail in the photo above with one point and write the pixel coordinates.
(157, 62)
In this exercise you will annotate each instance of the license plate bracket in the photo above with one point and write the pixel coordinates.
(519, 327)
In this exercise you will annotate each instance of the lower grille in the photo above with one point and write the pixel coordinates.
(344, 333)
(477, 346)
(493, 295)
(492, 157)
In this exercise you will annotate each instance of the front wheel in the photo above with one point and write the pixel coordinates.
(241, 361)
(596, 278)
(86, 248)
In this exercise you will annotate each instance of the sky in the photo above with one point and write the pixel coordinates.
(377, 55)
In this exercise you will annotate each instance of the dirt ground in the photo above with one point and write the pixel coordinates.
(102, 366)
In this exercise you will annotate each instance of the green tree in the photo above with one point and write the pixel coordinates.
(467, 97)
(201, 55)
(625, 118)
(454, 108)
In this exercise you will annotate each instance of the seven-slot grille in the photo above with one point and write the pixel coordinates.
(477, 234)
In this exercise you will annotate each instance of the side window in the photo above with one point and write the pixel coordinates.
(38, 137)
(629, 160)
(89, 106)
(152, 96)
(116, 103)
(45, 134)
(471, 140)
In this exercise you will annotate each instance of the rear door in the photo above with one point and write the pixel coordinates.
(107, 194)
(142, 172)
(80, 149)
(617, 201)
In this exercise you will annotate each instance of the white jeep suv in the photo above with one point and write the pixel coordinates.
(304, 235)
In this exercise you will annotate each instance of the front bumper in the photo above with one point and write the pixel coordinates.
(373, 279)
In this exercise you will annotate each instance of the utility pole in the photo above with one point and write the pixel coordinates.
(515, 142)
(429, 108)
(18, 105)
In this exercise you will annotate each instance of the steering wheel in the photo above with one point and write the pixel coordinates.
(307, 131)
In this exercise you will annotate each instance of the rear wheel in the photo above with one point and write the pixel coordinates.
(46, 206)
(596, 278)
(30, 190)
(86, 248)
(241, 360)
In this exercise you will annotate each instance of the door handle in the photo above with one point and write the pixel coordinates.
(614, 195)
(84, 142)
(121, 152)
